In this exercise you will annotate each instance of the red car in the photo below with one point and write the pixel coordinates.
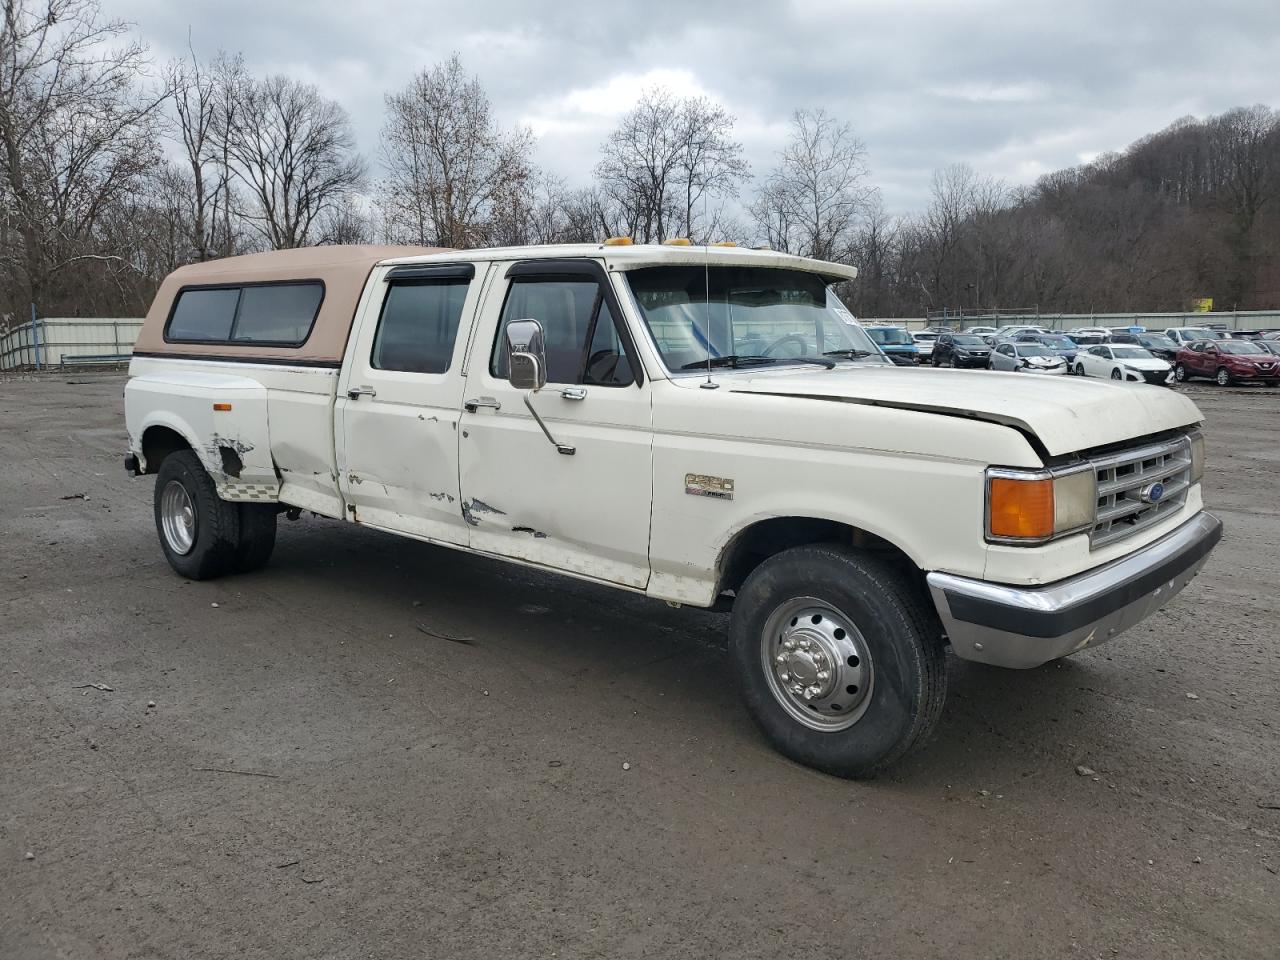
(1226, 361)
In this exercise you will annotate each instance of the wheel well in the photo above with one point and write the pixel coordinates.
(158, 443)
(760, 541)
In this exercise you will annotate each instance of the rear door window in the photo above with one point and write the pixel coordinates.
(419, 325)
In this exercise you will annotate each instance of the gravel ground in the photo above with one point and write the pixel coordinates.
(377, 748)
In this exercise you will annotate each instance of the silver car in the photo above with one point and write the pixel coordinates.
(1027, 358)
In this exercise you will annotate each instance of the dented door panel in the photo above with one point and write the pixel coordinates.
(585, 513)
(397, 431)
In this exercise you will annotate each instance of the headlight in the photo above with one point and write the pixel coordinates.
(1197, 456)
(1034, 506)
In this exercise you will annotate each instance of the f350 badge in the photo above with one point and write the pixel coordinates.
(701, 485)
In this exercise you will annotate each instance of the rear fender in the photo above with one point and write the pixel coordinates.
(223, 418)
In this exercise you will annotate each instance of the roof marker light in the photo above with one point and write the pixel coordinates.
(725, 243)
(618, 242)
(677, 242)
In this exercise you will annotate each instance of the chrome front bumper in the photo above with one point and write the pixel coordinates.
(1024, 627)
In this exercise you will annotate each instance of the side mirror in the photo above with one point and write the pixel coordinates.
(526, 355)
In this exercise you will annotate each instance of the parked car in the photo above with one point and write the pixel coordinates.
(925, 339)
(896, 343)
(1058, 343)
(1085, 336)
(960, 350)
(979, 331)
(1012, 330)
(1122, 362)
(1159, 345)
(584, 410)
(1026, 358)
(1227, 362)
(1271, 346)
(1184, 335)
(1245, 334)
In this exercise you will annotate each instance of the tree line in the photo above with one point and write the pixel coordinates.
(114, 172)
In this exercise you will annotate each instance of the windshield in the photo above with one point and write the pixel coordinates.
(968, 341)
(760, 312)
(1240, 346)
(890, 336)
(1198, 333)
(1033, 350)
(1057, 340)
(1130, 353)
(1157, 342)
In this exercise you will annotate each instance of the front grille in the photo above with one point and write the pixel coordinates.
(1155, 376)
(1124, 476)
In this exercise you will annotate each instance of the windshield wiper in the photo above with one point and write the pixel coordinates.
(738, 360)
(731, 360)
(853, 353)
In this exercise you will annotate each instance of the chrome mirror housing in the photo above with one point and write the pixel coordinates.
(526, 355)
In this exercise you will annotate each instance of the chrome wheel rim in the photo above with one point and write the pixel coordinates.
(1223, 377)
(817, 664)
(177, 518)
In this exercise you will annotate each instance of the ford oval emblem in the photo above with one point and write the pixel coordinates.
(1152, 492)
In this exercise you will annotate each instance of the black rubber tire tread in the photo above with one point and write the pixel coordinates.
(899, 623)
(257, 536)
(217, 521)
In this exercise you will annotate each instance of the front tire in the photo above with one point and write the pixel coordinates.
(1180, 373)
(199, 532)
(1223, 377)
(1079, 369)
(839, 658)
(1116, 374)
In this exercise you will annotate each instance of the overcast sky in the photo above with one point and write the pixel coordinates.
(1014, 88)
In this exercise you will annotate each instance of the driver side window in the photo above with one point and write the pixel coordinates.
(582, 340)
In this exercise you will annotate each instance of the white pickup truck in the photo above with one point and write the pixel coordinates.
(705, 425)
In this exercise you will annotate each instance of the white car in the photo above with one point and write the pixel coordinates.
(1121, 361)
(1087, 336)
(1026, 358)
(980, 331)
(1012, 330)
(1184, 335)
(924, 343)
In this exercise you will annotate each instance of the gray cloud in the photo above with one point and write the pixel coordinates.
(1014, 88)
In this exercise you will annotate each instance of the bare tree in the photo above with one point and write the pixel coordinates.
(811, 203)
(201, 112)
(666, 158)
(76, 134)
(449, 170)
(293, 151)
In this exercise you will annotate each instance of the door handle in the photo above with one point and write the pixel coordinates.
(574, 393)
(471, 406)
(355, 393)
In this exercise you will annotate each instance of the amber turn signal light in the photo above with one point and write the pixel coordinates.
(222, 407)
(1022, 509)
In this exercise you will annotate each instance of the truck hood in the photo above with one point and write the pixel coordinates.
(1065, 415)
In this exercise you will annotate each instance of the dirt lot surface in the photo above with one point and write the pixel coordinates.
(324, 774)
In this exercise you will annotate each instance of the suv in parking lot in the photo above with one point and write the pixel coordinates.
(1226, 362)
(703, 426)
(960, 350)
